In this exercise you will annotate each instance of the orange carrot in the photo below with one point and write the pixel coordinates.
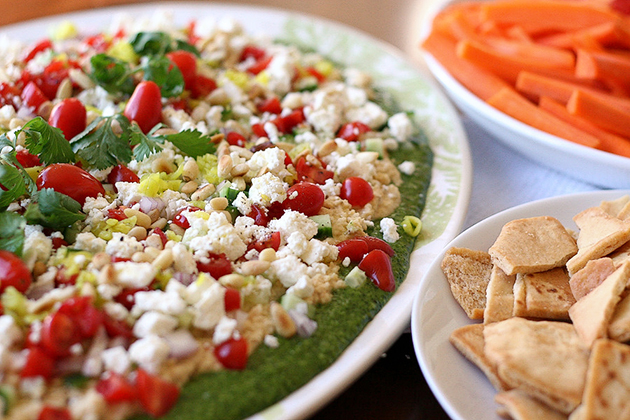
(600, 112)
(512, 103)
(609, 34)
(480, 82)
(536, 85)
(609, 142)
(507, 66)
(539, 16)
(602, 65)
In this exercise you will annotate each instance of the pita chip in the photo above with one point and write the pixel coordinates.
(607, 388)
(600, 234)
(615, 207)
(545, 359)
(620, 254)
(517, 405)
(468, 340)
(619, 327)
(532, 245)
(468, 273)
(592, 314)
(591, 276)
(545, 295)
(499, 296)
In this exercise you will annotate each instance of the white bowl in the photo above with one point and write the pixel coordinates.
(591, 165)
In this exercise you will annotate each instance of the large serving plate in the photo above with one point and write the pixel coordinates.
(459, 386)
(451, 179)
(587, 164)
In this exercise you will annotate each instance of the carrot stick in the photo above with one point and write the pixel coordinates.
(609, 34)
(512, 103)
(608, 142)
(600, 112)
(479, 81)
(541, 16)
(508, 66)
(536, 85)
(602, 65)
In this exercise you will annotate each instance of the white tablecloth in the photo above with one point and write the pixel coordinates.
(503, 178)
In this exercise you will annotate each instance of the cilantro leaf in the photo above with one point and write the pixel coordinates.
(12, 232)
(192, 142)
(47, 142)
(99, 144)
(54, 210)
(158, 44)
(111, 74)
(14, 180)
(145, 144)
(167, 76)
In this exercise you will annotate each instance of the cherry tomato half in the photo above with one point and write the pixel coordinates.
(27, 159)
(156, 395)
(180, 220)
(352, 131)
(217, 265)
(116, 388)
(120, 173)
(232, 299)
(59, 333)
(357, 191)
(232, 353)
(38, 363)
(304, 197)
(68, 116)
(70, 180)
(13, 272)
(186, 62)
(54, 413)
(377, 265)
(145, 106)
(32, 96)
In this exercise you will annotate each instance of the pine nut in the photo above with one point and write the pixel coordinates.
(64, 90)
(164, 260)
(327, 148)
(141, 257)
(159, 223)
(191, 170)
(234, 280)
(189, 187)
(203, 192)
(153, 252)
(138, 232)
(282, 321)
(101, 259)
(162, 165)
(267, 254)
(219, 203)
(254, 267)
(142, 219)
(239, 183)
(224, 166)
(239, 170)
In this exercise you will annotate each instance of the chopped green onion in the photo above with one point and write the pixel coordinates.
(412, 225)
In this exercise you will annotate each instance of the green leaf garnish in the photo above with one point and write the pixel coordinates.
(12, 232)
(54, 210)
(192, 142)
(167, 76)
(112, 74)
(158, 44)
(145, 144)
(99, 144)
(47, 142)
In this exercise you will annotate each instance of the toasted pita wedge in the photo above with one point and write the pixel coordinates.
(518, 405)
(619, 327)
(591, 276)
(545, 359)
(620, 254)
(624, 212)
(607, 388)
(545, 295)
(592, 314)
(468, 273)
(600, 234)
(532, 245)
(469, 341)
(499, 296)
(614, 207)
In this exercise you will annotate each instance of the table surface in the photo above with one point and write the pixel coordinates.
(394, 387)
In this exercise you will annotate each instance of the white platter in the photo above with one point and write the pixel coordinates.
(452, 173)
(461, 388)
(591, 165)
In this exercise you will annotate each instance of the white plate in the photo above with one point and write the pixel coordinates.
(459, 386)
(591, 165)
(450, 188)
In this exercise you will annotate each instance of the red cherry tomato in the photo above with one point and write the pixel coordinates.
(311, 173)
(217, 265)
(116, 327)
(38, 363)
(376, 243)
(377, 265)
(13, 272)
(32, 96)
(352, 131)
(127, 297)
(180, 220)
(116, 213)
(357, 191)
(41, 46)
(316, 74)
(70, 180)
(271, 105)
(156, 395)
(621, 6)
(259, 65)
(27, 159)
(232, 299)
(273, 241)
(202, 86)
(116, 388)
(186, 62)
(120, 173)
(87, 318)
(236, 139)
(354, 248)
(68, 116)
(287, 123)
(59, 333)
(259, 130)
(260, 216)
(58, 242)
(232, 353)
(8, 95)
(54, 413)
(252, 51)
(52, 77)
(304, 197)
(145, 106)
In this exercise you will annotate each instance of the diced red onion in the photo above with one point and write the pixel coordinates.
(305, 326)
(148, 204)
(184, 278)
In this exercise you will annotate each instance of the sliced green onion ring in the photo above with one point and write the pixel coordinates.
(412, 225)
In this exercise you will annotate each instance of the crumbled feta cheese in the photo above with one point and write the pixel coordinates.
(116, 310)
(210, 307)
(272, 159)
(288, 269)
(407, 167)
(123, 246)
(267, 189)
(86, 241)
(157, 300)
(183, 259)
(149, 352)
(303, 288)
(294, 221)
(116, 359)
(242, 203)
(132, 274)
(10, 333)
(154, 322)
(280, 71)
(37, 246)
(388, 227)
(128, 192)
(271, 341)
(318, 251)
(213, 233)
(224, 330)
(400, 126)
(370, 114)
